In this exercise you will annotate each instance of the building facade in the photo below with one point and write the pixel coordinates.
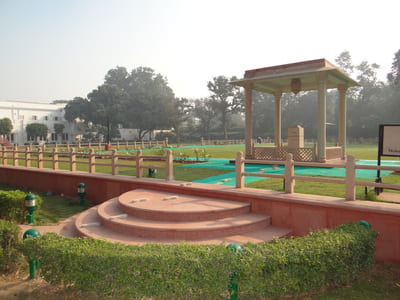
(23, 113)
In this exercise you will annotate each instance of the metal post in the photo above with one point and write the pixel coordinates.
(233, 285)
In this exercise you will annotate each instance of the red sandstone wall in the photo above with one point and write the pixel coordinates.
(301, 215)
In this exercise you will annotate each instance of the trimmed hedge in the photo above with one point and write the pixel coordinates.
(280, 267)
(12, 205)
(304, 264)
(9, 245)
(151, 270)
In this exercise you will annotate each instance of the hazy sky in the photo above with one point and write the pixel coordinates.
(59, 49)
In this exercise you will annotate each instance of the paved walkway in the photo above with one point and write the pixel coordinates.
(65, 227)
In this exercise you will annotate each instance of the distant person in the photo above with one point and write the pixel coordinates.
(259, 140)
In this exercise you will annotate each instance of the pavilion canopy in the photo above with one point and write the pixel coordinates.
(278, 79)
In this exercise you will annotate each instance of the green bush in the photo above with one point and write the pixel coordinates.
(151, 270)
(9, 242)
(281, 267)
(12, 205)
(304, 264)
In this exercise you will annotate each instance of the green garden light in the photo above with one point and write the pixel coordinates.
(30, 206)
(233, 285)
(33, 263)
(81, 192)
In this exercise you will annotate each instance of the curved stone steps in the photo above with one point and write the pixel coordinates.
(159, 205)
(237, 224)
(103, 233)
(146, 216)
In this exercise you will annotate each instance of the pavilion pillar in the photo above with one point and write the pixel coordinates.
(321, 118)
(248, 89)
(278, 119)
(342, 119)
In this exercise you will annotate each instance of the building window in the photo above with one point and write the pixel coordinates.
(34, 117)
(53, 137)
(65, 136)
(46, 118)
(55, 118)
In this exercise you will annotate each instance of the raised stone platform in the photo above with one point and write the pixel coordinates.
(145, 216)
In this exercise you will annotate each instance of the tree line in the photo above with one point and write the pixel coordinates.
(142, 99)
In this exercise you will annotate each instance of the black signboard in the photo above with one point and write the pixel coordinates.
(389, 145)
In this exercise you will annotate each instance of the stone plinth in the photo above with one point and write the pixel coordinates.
(296, 137)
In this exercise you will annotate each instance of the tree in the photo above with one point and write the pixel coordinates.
(393, 91)
(58, 128)
(204, 112)
(77, 108)
(151, 103)
(226, 99)
(35, 130)
(5, 127)
(343, 61)
(183, 109)
(140, 99)
(106, 107)
(394, 76)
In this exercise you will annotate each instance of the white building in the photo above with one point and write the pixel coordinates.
(23, 113)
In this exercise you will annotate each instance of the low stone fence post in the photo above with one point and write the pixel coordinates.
(28, 156)
(139, 163)
(169, 166)
(40, 158)
(55, 159)
(114, 162)
(15, 156)
(72, 160)
(351, 178)
(92, 161)
(289, 173)
(239, 170)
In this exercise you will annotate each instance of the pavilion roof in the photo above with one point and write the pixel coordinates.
(279, 78)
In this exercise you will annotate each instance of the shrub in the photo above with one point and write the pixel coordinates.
(281, 267)
(12, 205)
(322, 258)
(9, 242)
(151, 270)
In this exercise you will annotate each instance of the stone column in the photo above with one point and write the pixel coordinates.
(249, 117)
(342, 119)
(278, 119)
(321, 118)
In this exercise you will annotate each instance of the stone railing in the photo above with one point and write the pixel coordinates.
(38, 157)
(350, 182)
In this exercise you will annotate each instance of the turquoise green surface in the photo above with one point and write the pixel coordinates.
(223, 164)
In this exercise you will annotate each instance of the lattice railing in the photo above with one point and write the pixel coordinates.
(279, 153)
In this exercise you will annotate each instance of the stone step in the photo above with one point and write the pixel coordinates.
(164, 206)
(94, 229)
(113, 217)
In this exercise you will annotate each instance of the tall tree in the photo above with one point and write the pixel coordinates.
(36, 130)
(226, 99)
(183, 109)
(394, 76)
(106, 107)
(5, 127)
(204, 112)
(151, 102)
(77, 108)
(58, 129)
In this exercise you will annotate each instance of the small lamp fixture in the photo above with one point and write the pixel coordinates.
(295, 85)
(30, 206)
(81, 192)
(33, 263)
